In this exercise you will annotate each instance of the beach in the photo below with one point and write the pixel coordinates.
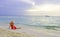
(6, 33)
(26, 31)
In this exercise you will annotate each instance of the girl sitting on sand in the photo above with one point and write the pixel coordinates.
(12, 26)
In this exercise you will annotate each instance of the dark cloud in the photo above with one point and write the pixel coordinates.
(13, 7)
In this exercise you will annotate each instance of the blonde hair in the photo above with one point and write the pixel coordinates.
(11, 23)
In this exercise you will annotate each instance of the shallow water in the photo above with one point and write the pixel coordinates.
(50, 22)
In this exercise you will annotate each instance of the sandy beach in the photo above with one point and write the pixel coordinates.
(26, 31)
(6, 33)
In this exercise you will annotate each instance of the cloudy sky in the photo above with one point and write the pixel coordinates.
(30, 7)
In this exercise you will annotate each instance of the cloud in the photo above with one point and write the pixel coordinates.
(45, 9)
(24, 1)
(13, 7)
(28, 1)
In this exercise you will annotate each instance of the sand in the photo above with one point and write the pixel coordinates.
(26, 31)
(6, 33)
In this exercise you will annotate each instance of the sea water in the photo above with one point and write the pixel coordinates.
(47, 22)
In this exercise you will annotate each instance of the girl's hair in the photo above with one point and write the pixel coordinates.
(11, 23)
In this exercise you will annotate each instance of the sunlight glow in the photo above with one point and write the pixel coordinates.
(48, 9)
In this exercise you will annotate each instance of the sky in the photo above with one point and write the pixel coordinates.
(30, 7)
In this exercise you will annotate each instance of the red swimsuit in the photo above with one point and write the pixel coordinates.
(13, 27)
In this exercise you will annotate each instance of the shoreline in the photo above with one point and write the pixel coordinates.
(26, 31)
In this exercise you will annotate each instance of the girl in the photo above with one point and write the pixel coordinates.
(12, 26)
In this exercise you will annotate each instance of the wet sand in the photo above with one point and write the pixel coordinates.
(6, 33)
(26, 31)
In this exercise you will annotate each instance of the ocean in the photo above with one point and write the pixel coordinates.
(47, 22)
